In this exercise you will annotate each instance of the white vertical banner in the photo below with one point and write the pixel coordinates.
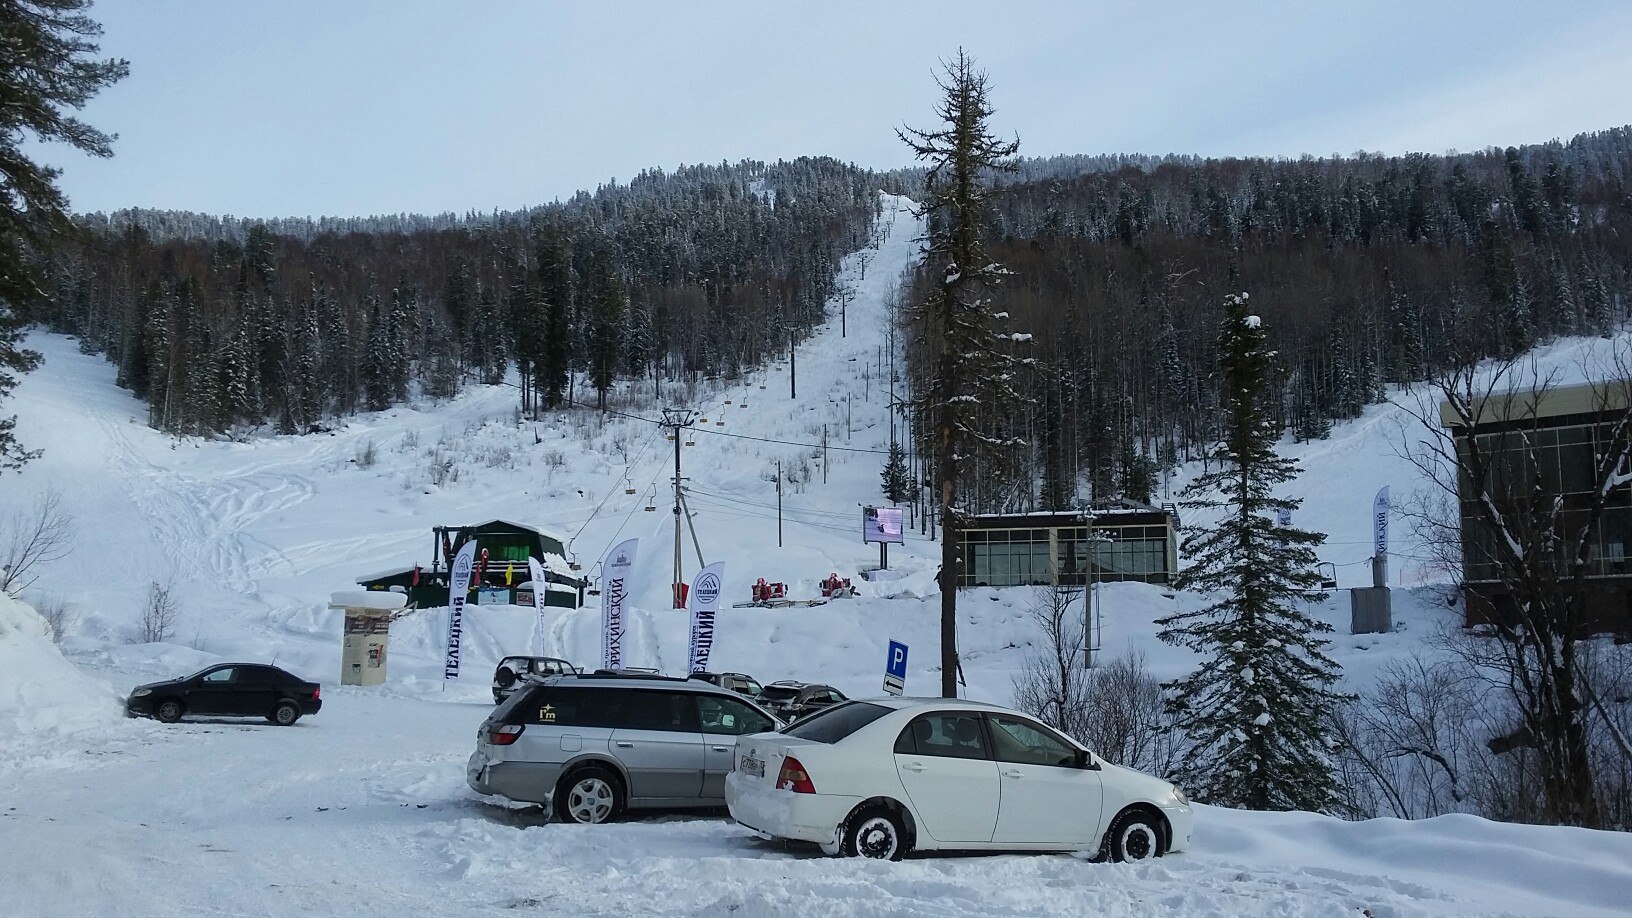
(535, 571)
(614, 592)
(458, 591)
(1379, 523)
(705, 601)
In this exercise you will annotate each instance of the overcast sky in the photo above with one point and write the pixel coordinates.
(309, 107)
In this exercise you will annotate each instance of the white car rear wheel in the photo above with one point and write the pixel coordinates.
(875, 834)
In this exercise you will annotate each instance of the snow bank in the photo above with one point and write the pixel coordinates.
(42, 695)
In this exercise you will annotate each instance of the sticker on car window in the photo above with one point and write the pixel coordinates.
(546, 715)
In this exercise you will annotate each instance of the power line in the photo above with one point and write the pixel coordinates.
(721, 433)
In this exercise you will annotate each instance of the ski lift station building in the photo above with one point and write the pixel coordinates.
(1121, 540)
(503, 578)
(1550, 439)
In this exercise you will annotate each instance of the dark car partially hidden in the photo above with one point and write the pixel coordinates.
(792, 700)
(228, 690)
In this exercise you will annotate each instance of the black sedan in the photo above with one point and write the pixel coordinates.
(228, 690)
(791, 700)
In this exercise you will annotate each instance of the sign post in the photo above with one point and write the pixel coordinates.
(882, 525)
(895, 669)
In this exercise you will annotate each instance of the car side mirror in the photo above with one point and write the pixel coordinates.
(1085, 760)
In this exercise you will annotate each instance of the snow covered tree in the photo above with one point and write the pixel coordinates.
(1257, 711)
(553, 267)
(954, 315)
(48, 67)
(607, 302)
(1539, 535)
(897, 481)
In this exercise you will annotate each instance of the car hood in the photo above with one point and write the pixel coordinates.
(1137, 781)
(167, 683)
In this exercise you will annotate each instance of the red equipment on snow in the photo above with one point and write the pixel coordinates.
(836, 587)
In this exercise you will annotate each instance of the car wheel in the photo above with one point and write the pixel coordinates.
(504, 678)
(1132, 837)
(284, 715)
(168, 712)
(590, 796)
(877, 834)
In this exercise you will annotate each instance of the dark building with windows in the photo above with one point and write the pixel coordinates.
(1550, 440)
(1122, 541)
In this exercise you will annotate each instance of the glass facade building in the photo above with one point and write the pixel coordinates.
(1118, 543)
(1545, 444)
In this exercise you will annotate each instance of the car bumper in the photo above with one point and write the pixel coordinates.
(528, 782)
(311, 706)
(139, 707)
(760, 806)
(1181, 819)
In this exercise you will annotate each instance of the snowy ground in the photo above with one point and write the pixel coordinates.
(363, 808)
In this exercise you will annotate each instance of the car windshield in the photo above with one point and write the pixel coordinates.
(837, 722)
(754, 688)
(780, 692)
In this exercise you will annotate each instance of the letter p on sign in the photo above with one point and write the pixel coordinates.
(895, 669)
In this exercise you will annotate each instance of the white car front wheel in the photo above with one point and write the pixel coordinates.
(1134, 837)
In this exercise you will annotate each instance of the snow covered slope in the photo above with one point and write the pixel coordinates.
(367, 799)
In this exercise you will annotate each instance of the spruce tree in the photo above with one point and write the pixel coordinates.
(48, 67)
(1257, 709)
(897, 481)
(554, 269)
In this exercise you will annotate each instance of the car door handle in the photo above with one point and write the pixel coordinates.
(721, 748)
(622, 745)
(1014, 773)
(913, 766)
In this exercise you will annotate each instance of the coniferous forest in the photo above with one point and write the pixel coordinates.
(224, 324)
(1369, 271)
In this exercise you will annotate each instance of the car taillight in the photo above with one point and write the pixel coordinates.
(504, 735)
(317, 691)
(792, 777)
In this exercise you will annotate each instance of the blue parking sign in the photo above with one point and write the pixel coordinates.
(895, 669)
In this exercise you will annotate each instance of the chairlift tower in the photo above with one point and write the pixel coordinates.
(674, 421)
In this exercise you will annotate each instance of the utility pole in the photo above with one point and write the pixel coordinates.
(793, 368)
(674, 421)
(824, 454)
(847, 417)
(779, 503)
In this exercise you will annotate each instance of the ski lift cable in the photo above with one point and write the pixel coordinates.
(609, 492)
(720, 433)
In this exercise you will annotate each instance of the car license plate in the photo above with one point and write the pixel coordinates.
(753, 766)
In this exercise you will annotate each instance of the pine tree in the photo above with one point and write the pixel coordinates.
(1256, 711)
(955, 316)
(554, 269)
(47, 68)
(377, 361)
(897, 481)
(607, 302)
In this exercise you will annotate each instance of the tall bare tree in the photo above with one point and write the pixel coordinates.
(1531, 529)
(954, 317)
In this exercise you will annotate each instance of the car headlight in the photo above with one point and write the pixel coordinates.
(1178, 795)
(140, 692)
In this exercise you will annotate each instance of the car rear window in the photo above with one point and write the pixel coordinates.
(780, 692)
(837, 722)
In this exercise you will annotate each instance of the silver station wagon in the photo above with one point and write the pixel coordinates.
(591, 746)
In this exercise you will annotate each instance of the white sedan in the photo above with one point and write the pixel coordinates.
(882, 777)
